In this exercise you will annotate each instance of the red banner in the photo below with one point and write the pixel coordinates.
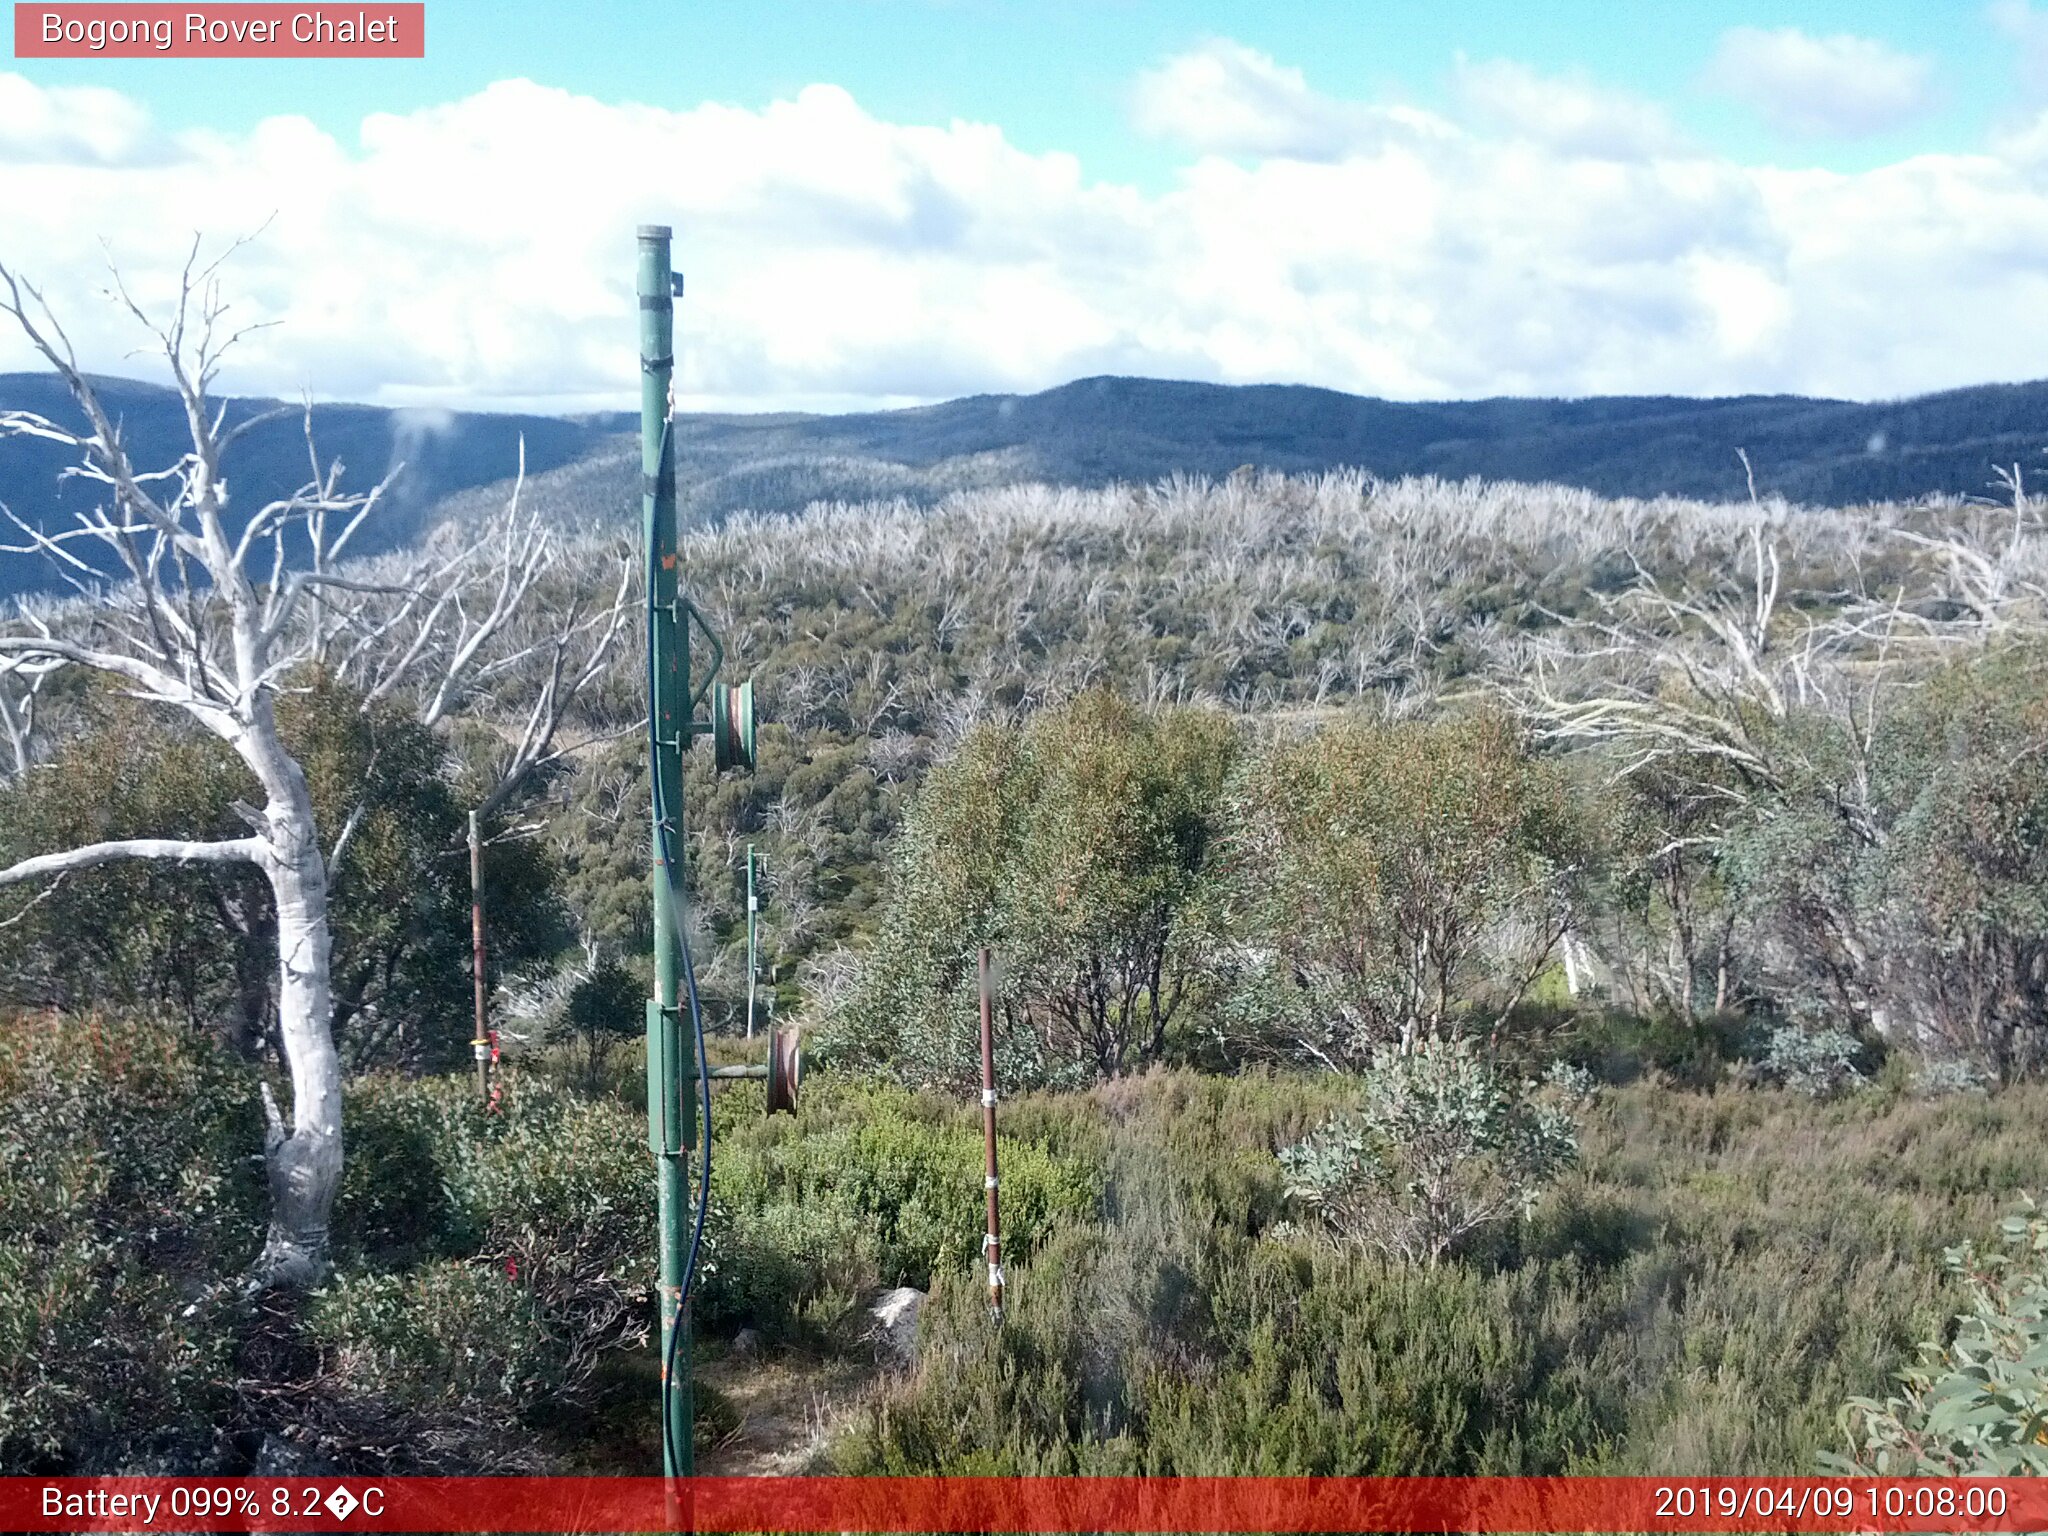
(1482, 1504)
(250, 30)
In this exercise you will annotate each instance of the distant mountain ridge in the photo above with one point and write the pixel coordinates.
(1094, 430)
(1088, 432)
(442, 453)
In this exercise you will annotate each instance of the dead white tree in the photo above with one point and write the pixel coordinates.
(1687, 693)
(1999, 580)
(515, 624)
(1702, 689)
(1661, 675)
(1680, 677)
(21, 686)
(212, 622)
(191, 631)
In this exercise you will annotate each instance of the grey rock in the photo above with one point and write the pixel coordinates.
(892, 1324)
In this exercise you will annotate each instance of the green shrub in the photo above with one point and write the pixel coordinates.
(1719, 1272)
(602, 1009)
(1444, 1145)
(554, 1192)
(1951, 1075)
(1388, 882)
(401, 1137)
(764, 1265)
(561, 1196)
(870, 1186)
(1979, 1406)
(1619, 1047)
(904, 1169)
(1149, 1348)
(1073, 845)
(449, 1337)
(127, 1197)
(1819, 1063)
(1896, 880)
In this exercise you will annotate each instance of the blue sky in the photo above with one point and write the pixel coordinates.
(1056, 74)
(885, 201)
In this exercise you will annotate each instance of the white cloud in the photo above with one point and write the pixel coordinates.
(67, 125)
(480, 252)
(1822, 87)
(1225, 98)
(1576, 117)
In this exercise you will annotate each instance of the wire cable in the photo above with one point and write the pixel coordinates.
(664, 831)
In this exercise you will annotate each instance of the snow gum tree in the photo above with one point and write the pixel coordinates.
(206, 616)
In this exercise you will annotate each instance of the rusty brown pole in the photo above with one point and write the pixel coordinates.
(481, 1045)
(991, 1245)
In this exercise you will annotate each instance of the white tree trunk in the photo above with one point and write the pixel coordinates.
(304, 1162)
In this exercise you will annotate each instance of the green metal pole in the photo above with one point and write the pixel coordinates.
(753, 907)
(671, 1103)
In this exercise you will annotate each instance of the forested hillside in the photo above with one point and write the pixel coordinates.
(1089, 433)
(1657, 883)
(1097, 431)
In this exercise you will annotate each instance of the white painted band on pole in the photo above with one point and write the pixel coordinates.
(989, 1182)
(988, 1098)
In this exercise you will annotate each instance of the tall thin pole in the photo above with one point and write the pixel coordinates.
(671, 1107)
(481, 1045)
(991, 1245)
(753, 968)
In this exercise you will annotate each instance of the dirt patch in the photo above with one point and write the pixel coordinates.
(786, 1409)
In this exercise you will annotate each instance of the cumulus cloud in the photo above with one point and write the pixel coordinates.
(1574, 116)
(1228, 99)
(1840, 86)
(67, 125)
(479, 252)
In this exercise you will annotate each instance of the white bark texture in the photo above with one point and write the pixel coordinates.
(305, 1163)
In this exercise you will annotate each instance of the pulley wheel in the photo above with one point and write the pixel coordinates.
(732, 725)
(785, 1070)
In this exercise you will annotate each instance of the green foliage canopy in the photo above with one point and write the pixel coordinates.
(1390, 882)
(199, 942)
(1071, 846)
(1897, 874)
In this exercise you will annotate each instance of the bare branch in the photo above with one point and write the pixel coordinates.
(245, 850)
